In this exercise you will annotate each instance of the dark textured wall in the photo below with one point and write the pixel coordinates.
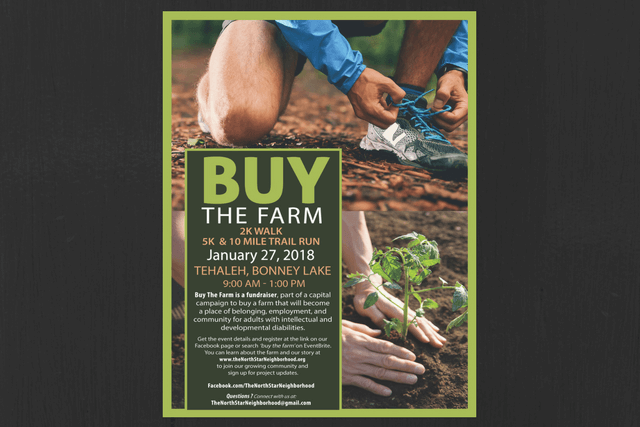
(80, 231)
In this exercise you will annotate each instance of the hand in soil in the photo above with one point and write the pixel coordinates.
(364, 355)
(384, 309)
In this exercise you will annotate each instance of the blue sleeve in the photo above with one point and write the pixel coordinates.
(326, 48)
(457, 52)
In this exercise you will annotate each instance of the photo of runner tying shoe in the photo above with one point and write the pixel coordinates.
(403, 130)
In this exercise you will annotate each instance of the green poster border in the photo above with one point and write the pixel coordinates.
(168, 411)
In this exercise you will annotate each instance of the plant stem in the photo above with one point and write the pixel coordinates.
(405, 325)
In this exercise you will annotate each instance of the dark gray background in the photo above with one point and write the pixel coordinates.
(80, 265)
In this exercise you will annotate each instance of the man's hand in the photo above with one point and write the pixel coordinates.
(451, 91)
(383, 308)
(364, 355)
(368, 103)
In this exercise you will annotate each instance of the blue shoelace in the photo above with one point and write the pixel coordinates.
(421, 118)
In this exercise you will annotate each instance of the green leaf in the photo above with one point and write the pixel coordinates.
(371, 300)
(431, 249)
(420, 312)
(417, 241)
(458, 321)
(393, 267)
(426, 251)
(429, 303)
(459, 298)
(390, 325)
(412, 260)
(420, 276)
(415, 270)
(430, 262)
(412, 235)
(376, 268)
(375, 258)
(193, 142)
(389, 268)
(416, 295)
(354, 281)
(391, 285)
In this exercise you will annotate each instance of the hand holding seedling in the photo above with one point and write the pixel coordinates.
(411, 264)
(388, 307)
(364, 356)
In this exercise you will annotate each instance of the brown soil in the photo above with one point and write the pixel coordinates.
(320, 116)
(444, 384)
(177, 371)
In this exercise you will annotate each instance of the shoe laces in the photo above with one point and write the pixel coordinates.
(422, 118)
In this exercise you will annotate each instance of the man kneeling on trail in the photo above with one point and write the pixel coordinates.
(253, 64)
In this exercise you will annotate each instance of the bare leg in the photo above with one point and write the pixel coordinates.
(423, 44)
(248, 83)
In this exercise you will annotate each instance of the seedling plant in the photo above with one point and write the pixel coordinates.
(414, 261)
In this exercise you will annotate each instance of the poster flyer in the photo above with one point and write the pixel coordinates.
(319, 205)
